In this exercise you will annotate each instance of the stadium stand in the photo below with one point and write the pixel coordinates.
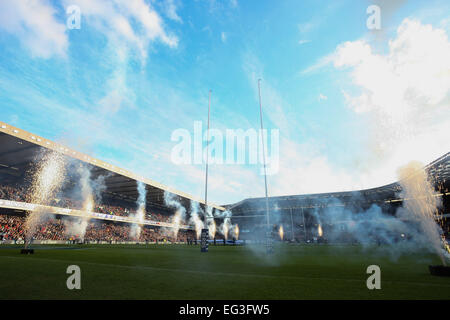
(115, 205)
(12, 227)
(20, 150)
(299, 213)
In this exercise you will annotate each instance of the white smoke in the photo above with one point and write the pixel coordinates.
(77, 227)
(211, 223)
(404, 93)
(421, 204)
(226, 225)
(195, 219)
(180, 212)
(48, 177)
(412, 229)
(139, 216)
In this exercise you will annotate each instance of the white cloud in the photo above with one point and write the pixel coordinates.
(303, 41)
(133, 22)
(38, 29)
(307, 27)
(445, 23)
(303, 166)
(322, 97)
(319, 64)
(34, 23)
(223, 37)
(274, 106)
(118, 95)
(130, 26)
(226, 183)
(304, 169)
(171, 11)
(405, 93)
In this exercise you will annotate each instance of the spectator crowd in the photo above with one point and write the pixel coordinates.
(20, 194)
(12, 227)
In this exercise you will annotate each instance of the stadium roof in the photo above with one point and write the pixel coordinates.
(18, 150)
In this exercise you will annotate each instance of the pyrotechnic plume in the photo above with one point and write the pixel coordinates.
(211, 223)
(421, 203)
(77, 227)
(212, 228)
(225, 230)
(400, 234)
(99, 186)
(226, 225)
(48, 176)
(319, 230)
(281, 232)
(139, 216)
(177, 219)
(195, 219)
(236, 231)
(180, 213)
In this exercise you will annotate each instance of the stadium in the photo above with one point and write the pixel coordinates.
(322, 243)
(223, 158)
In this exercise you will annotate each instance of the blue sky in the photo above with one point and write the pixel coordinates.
(351, 104)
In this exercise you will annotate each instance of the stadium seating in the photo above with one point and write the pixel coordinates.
(12, 226)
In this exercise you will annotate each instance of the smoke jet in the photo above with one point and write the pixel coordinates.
(319, 230)
(195, 219)
(48, 176)
(281, 232)
(211, 223)
(225, 227)
(180, 212)
(421, 204)
(139, 216)
(78, 226)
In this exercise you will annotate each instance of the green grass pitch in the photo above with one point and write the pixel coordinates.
(183, 272)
